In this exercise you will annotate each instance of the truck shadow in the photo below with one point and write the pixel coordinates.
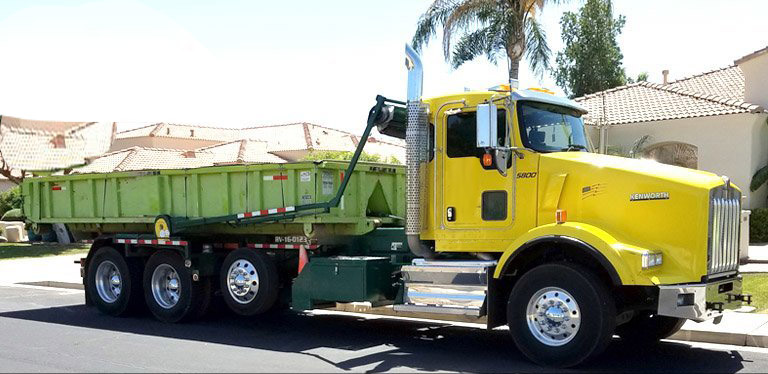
(394, 344)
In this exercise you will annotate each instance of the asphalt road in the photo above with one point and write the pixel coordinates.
(44, 329)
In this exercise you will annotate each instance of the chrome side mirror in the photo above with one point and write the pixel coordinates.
(487, 126)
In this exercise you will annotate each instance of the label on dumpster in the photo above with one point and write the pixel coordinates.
(306, 199)
(327, 183)
(305, 176)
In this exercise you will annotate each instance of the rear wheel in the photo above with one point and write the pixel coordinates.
(113, 283)
(170, 293)
(560, 315)
(249, 282)
(648, 328)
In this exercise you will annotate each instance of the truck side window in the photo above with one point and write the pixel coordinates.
(462, 134)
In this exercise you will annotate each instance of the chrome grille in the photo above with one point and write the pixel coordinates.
(724, 220)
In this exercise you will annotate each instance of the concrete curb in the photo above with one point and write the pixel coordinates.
(740, 329)
(54, 284)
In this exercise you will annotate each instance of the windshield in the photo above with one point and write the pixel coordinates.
(550, 128)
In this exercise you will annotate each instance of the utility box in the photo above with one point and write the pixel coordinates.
(744, 236)
(344, 279)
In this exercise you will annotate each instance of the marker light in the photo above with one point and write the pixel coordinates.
(651, 259)
(487, 160)
(542, 90)
(501, 88)
(561, 215)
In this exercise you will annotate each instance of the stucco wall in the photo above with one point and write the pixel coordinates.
(734, 145)
(756, 79)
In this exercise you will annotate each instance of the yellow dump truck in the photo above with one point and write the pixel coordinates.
(502, 214)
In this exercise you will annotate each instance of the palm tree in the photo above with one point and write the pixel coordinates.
(490, 28)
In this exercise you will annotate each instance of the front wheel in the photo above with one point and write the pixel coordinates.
(560, 314)
(648, 328)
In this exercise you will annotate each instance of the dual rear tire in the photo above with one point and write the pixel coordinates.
(249, 284)
(115, 284)
(169, 290)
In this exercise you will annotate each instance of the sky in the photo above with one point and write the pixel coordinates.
(237, 63)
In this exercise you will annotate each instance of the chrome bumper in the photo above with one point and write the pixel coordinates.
(701, 301)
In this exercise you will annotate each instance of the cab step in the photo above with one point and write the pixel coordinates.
(446, 287)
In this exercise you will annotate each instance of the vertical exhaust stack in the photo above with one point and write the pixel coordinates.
(416, 138)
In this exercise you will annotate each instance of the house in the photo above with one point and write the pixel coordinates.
(714, 121)
(290, 142)
(147, 158)
(30, 146)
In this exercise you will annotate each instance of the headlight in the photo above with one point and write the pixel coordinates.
(651, 259)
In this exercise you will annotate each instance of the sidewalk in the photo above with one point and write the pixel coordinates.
(757, 261)
(53, 271)
(741, 329)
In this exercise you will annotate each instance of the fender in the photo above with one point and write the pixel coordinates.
(617, 258)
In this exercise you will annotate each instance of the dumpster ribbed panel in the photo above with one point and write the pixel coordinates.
(219, 191)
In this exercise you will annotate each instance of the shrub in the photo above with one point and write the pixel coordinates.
(10, 199)
(346, 155)
(758, 226)
(14, 214)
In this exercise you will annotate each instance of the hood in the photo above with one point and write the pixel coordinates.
(639, 202)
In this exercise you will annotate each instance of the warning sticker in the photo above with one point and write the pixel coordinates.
(306, 199)
(305, 176)
(327, 183)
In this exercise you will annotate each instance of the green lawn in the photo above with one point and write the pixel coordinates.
(20, 250)
(757, 285)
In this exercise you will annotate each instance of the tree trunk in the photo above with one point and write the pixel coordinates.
(514, 70)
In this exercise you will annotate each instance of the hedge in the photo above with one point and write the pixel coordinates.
(758, 226)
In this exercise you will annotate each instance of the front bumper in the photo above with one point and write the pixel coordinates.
(701, 301)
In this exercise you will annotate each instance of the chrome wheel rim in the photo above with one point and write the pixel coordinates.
(553, 316)
(109, 281)
(242, 281)
(166, 286)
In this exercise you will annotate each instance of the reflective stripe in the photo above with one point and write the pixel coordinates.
(266, 212)
(280, 246)
(151, 241)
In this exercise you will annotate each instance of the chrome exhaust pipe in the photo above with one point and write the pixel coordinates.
(416, 138)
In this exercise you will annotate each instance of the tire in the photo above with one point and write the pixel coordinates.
(169, 291)
(113, 284)
(580, 319)
(249, 282)
(647, 328)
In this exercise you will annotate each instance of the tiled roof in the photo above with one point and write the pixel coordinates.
(47, 145)
(299, 136)
(725, 82)
(644, 101)
(241, 151)
(143, 158)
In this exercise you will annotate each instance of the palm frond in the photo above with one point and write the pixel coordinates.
(638, 146)
(537, 50)
(759, 179)
(464, 15)
(427, 25)
(471, 45)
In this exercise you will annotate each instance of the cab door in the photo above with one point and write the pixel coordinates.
(474, 196)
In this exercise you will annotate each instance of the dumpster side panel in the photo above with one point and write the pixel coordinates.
(123, 198)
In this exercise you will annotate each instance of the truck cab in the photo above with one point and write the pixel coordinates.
(576, 246)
